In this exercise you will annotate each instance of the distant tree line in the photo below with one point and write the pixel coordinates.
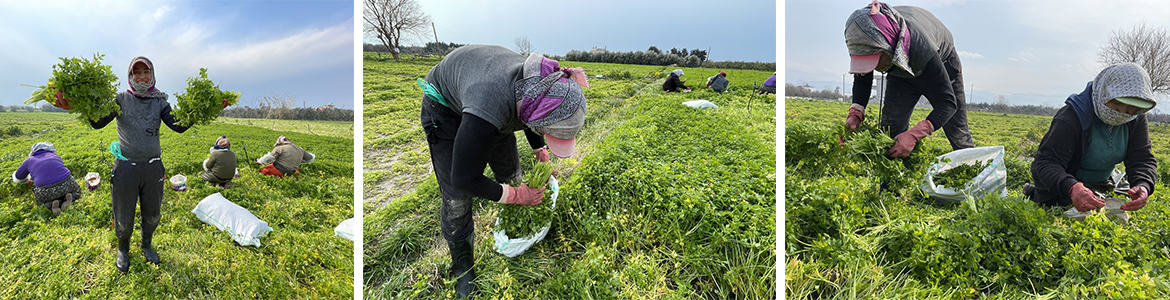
(300, 113)
(1004, 108)
(656, 57)
(18, 108)
(791, 90)
(431, 48)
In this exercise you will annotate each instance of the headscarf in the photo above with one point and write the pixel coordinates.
(143, 90)
(879, 28)
(1121, 80)
(221, 143)
(548, 94)
(282, 140)
(677, 73)
(47, 146)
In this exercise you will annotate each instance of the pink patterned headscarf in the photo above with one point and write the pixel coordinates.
(549, 93)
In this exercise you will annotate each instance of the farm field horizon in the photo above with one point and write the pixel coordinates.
(72, 255)
(845, 238)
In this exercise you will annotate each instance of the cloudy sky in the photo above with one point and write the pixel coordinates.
(1032, 52)
(743, 30)
(299, 48)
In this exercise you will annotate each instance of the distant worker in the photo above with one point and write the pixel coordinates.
(673, 83)
(918, 53)
(285, 159)
(220, 166)
(1095, 130)
(475, 100)
(718, 82)
(769, 85)
(54, 187)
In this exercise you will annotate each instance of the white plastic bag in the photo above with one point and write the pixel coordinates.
(244, 227)
(991, 179)
(348, 229)
(512, 247)
(700, 104)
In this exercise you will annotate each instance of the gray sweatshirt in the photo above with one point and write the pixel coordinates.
(138, 126)
(480, 80)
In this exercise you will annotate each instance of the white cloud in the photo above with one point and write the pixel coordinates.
(965, 54)
(162, 11)
(1022, 56)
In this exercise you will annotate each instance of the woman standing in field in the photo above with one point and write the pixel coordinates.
(54, 188)
(476, 98)
(918, 51)
(1095, 130)
(138, 173)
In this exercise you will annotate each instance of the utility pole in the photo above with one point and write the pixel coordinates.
(436, 32)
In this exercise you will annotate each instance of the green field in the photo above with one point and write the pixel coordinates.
(846, 240)
(660, 200)
(72, 255)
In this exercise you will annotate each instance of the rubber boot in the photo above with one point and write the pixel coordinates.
(147, 251)
(462, 265)
(123, 258)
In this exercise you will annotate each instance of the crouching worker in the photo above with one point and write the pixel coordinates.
(220, 167)
(285, 159)
(1102, 126)
(53, 185)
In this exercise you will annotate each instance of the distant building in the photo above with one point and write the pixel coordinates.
(598, 50)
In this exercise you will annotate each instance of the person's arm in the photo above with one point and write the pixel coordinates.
(469, 158)
(207, 163)
(101, 123)
(1054, 154)
(170, 119)
(535, 139)
(307, 157)
(21, 173)
(862, 83)
(268, 158)
(1141, 168)
(936, 86)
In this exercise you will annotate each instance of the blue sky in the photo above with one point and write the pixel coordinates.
(740, 30)
(1032, 52)
(300, 48)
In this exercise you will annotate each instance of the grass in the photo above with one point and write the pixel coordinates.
(72, 255)
(406, 258)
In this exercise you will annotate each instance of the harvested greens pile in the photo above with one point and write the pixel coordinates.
(523, 221)
(961, 175)
(88, 85)
(202, 101)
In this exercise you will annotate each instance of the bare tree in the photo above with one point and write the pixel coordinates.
(391, 20)
(1002, 101)
(523, 46)
(1146, 46)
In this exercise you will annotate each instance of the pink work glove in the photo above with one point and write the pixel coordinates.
(541, 154)
(61, 101)
(855, 117)
(904, 142)
(1139, 196)
(522, 195)
(1083, 199)
(226, 103)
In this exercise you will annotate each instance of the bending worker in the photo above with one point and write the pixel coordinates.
(54, 187)
(718, 82)
(220, 166)
(285, 159)
(917, 52)
(476, 99)
(1095, 130)
(674, 82)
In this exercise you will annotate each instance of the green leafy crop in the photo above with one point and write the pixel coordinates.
(523, 221)
(88, 85)
(202, 100)
(960, 175)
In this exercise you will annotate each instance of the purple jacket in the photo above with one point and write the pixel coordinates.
(45, 167)
(771, 81)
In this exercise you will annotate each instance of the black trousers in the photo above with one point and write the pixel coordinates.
(901, 96)
(441, 125)
(138, 182)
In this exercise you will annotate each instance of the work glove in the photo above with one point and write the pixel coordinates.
(541, 154)
(61, 101)
(904, 142)
(1139, 196)
(1084, 200)
(855, 117)
(226, 103)
(522, 195)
